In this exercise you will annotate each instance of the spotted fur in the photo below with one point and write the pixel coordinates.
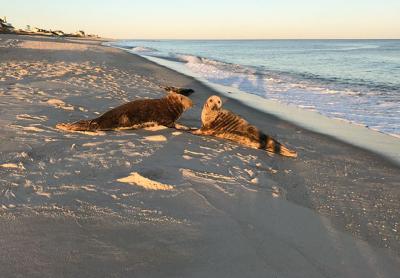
(224, 124)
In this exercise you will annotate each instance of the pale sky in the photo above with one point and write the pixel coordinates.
(211, 19)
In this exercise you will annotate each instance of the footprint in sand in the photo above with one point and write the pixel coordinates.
(83, 109)
(18, 166)
(60, 104)
(187, 154)
(155, 128)
(44, 194)
(31, 118)
(32, 128)
(209, 176)
(255, 180)
(137, 179)
(187, 157)
(92, 144)
(278, 192)
(64, 127)
(156, 138)
(215, 180)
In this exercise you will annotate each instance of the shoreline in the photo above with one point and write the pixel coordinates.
(357, 135)
(350, 100)
(162, 203)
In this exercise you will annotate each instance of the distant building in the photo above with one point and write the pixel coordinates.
(79, 33)
(39, 30)
(58, 33)
(6, 27)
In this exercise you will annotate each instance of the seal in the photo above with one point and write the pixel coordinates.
(224, 124)
(136, 114)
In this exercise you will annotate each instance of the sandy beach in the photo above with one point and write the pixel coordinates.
(160, 202)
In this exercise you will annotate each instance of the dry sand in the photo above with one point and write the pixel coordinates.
(164, 203)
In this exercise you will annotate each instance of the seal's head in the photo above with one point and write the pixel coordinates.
(183, 100)
(213, 103)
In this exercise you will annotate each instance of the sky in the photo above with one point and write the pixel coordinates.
(211, 19)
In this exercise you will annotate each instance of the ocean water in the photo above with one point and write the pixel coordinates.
(353, 80)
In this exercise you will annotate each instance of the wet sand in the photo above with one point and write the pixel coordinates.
(165, 203)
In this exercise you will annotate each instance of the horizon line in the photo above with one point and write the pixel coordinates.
(249, 39)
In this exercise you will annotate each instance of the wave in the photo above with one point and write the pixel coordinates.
(360, 47)
(142, 49)
(347, 48)
(190, 59)
(351, 86)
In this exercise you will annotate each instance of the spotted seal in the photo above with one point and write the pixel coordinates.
(136, 114)
(224, 124)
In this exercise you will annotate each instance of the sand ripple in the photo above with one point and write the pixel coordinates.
(137, 179)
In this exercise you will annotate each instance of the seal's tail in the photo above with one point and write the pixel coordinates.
(82, 125)
(183, 91)
(273, 146)
(286, 152)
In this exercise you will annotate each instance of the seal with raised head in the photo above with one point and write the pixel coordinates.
(224, 124)
(136, 114)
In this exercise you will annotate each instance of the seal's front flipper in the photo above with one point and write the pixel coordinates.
(197, 131)
(180, 127)
(200, 131)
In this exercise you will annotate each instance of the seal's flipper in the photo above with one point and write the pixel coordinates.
(181, 127)
(286, 152)
(182, 91)
(272, 146)
(196, 132)
(82, 125)
(200, 131)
